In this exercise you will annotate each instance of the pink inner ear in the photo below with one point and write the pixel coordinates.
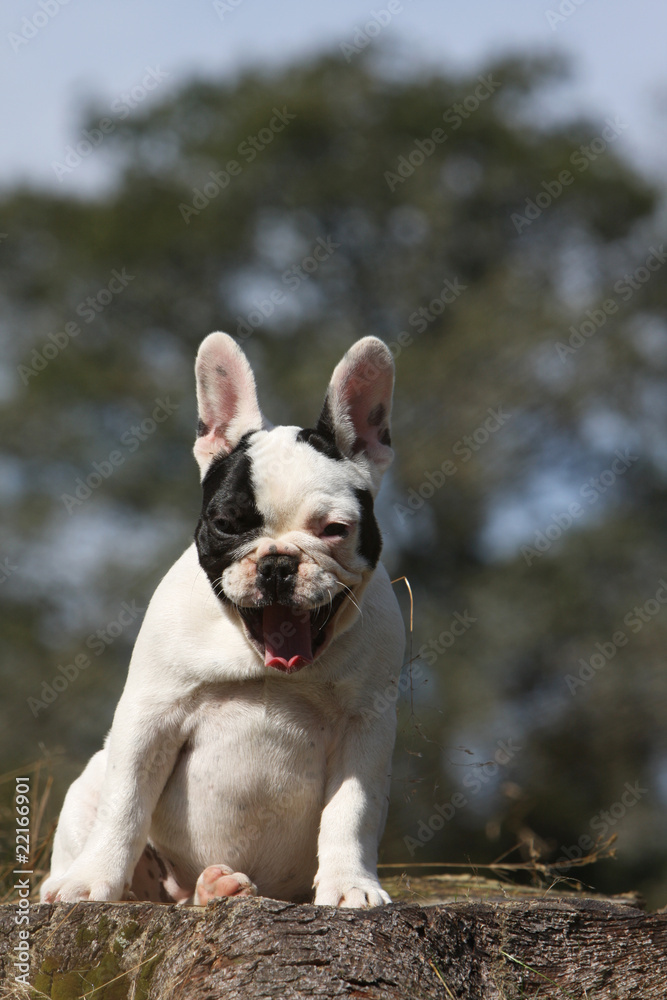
(368, 404)
(219, 402)
(213, 442)
(226, 396)
(218, 406)
(369, 424)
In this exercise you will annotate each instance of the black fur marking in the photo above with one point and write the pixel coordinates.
(326, 445)
(385, 437)
(370, 539)
(377, 415)
(325, 423)
(153, 855)
(229, 517)
(323, 437)
(202, 428)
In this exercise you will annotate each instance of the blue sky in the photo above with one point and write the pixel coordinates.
(83, 52)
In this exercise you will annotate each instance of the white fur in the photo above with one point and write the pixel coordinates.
(219, 760)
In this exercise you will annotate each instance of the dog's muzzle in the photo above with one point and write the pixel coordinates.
(276, 577)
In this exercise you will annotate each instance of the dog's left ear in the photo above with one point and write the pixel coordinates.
(357, 406)
(226, 398)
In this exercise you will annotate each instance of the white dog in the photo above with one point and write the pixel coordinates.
(246, 754)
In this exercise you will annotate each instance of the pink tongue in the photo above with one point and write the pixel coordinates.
(287, 640)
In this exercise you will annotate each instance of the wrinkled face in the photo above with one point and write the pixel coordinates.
(287, 534)
(288, 539)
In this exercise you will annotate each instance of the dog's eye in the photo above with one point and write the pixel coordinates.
(335, 530)
(224, 525)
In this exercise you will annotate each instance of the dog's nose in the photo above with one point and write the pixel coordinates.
(276, 576)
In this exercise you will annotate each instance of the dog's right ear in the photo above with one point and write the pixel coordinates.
(226, 398)
(357, 406)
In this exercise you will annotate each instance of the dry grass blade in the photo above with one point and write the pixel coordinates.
(20, 991)
(66, 917)
(122, 975)
(410, 659)
(536, 972)
(41, 779)
(439, 975)
(601, 851)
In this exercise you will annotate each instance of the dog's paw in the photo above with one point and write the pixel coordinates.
(220, 880)
(352, 892)
(73, 889)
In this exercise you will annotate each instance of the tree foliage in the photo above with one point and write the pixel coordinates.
(526, 313)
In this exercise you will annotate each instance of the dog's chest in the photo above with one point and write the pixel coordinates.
(249, 783)
(258, 741)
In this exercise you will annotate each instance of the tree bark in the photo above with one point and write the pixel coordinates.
(537, 944)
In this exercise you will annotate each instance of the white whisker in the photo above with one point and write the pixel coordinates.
(324, 623)
(350, 596)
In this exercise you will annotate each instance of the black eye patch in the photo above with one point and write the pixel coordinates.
(230, 517)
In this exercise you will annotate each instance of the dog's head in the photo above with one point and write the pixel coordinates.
(287, 534)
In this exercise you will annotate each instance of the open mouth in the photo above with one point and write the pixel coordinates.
(288, 638)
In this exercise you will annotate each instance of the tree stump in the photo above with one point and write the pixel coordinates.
(446, 937)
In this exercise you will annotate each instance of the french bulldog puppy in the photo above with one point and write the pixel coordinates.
(246, 755)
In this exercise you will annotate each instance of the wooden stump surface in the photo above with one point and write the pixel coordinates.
(445, 937)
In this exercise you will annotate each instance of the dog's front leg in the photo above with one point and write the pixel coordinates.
(142, 747)
(354, 815)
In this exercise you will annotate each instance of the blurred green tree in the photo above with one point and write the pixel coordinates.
(513, 265)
